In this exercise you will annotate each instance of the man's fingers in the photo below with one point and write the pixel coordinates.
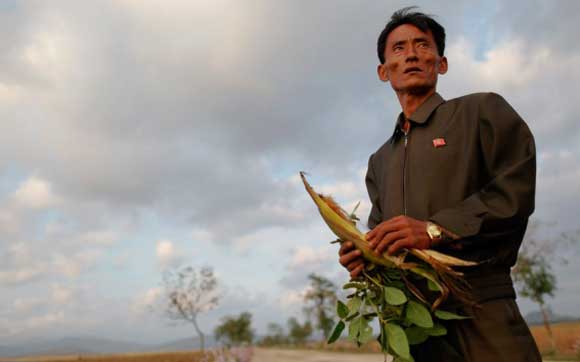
(355, 273)
(389, 239)
(357, 262)
(403, 243)
(378, 233)
(347, 258)
(345, 247)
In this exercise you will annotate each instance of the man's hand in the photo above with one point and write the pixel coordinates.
(397, 233)
(350, 258)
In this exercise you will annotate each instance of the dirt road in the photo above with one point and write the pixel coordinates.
(280, 355)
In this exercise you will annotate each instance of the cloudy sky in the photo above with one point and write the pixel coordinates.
(137, 136)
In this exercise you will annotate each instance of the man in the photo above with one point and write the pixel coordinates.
(457, 176)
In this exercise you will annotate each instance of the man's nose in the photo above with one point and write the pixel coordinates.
(411, 54)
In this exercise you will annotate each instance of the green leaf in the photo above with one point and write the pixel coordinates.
(357, 285)
(336, 332)
(354, 328)
(366, 332)
(398, 340)
(437, 330)
(416, 313)
(394, 296)
(354, 305)
(432, 286)
(416, 335)
(401, 359)
(441, 314)
(351, 317)
(341, 310)
(360, 331)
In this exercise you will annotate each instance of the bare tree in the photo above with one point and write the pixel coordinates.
(189, 293)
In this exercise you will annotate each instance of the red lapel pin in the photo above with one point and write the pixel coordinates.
(439, 142)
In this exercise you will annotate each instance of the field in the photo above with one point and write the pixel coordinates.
(137, 357)
(567, 334)
(260, 355)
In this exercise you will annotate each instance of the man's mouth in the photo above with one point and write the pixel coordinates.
(412, 69)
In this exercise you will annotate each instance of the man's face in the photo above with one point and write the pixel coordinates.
(412, 62)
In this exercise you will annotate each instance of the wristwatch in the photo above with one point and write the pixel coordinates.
(434, 232)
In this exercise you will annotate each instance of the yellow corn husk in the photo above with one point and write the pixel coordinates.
(444, 258)
(344, 228)
(447, 279)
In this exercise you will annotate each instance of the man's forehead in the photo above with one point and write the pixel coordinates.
(408, 32)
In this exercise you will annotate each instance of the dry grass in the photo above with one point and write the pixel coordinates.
(129, 357)
(565, 333)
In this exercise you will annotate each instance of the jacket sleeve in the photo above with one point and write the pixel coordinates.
(376, 215)
(508, 156)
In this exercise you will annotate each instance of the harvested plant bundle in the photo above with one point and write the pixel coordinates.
(389, 288)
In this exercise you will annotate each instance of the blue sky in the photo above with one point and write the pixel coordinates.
(137, 137)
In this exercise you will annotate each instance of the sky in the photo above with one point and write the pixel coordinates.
(140, 136)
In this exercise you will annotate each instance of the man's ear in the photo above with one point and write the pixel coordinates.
(382, 72)
(443, 66)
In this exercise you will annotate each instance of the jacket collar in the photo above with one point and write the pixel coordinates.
(420, 116)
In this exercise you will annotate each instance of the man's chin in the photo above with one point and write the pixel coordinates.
(419, 88)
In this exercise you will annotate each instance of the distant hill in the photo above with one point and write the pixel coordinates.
(70, 345)
(535, 318)
(184, 344)
(90, 345)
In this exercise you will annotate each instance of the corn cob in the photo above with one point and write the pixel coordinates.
(442, 274)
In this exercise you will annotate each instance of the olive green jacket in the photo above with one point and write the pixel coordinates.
(469, 165)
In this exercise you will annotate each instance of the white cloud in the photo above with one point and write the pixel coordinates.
(28, 264)
(144, 302)
(71, 266)
(100, 237)
(35, 193)
(22, 275)
(167, 254)
(344, 189)
(199, 234)
(23, 305)
(507, 66)
(20, 253)
(308, 256)
(44, 321)
(292, 300)
(61, 295)
(9, 222)
(10, 93)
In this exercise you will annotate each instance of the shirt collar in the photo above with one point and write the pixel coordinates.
(420, 116)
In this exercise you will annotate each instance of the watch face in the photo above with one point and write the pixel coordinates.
(434, 230)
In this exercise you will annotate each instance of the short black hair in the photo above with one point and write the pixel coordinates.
(420, 20)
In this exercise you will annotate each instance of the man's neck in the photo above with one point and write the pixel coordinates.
(411, 101)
